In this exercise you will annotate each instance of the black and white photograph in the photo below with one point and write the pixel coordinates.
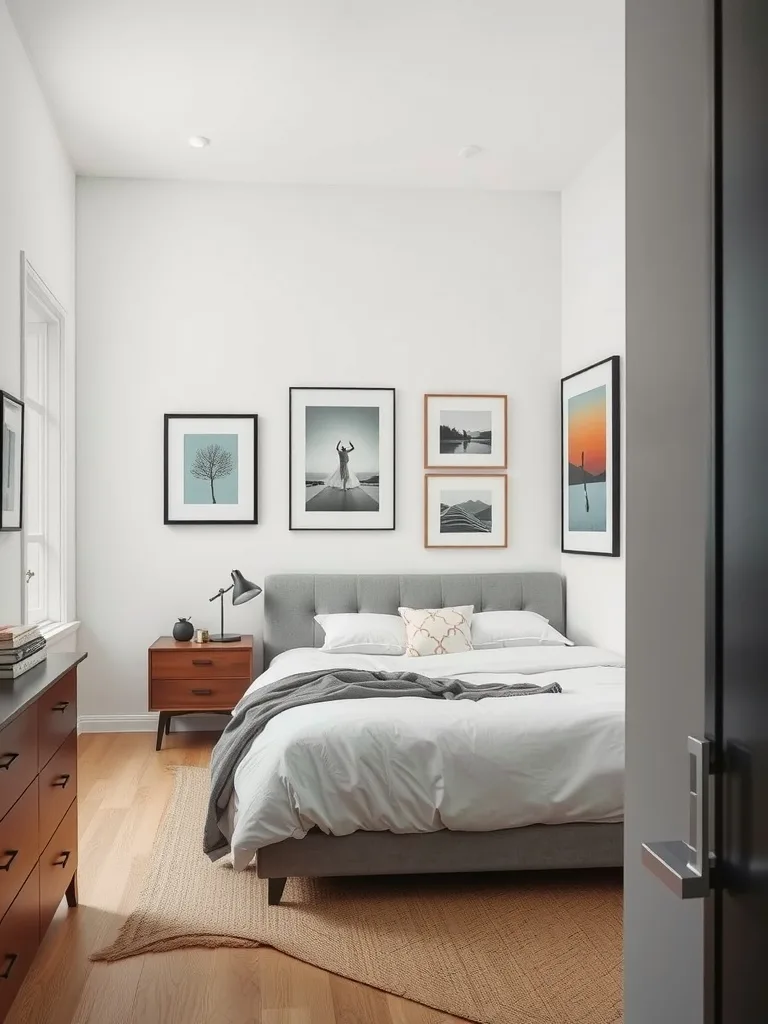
(465, 511)
(11, 462)
(342, 458)
(465, 431)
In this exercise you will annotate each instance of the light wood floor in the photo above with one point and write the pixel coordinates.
(123, 789)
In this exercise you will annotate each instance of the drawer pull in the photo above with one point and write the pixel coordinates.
(7, 760)
(62, 783)
(10, 959)
(202, 693)
(61, 706)
(11, 855)
(202, 661)
(61, 861)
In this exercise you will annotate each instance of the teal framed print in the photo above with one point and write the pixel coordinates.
(211, 469)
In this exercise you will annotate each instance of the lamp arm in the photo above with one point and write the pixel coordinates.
(221, 593)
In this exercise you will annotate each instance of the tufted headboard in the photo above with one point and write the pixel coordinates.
(292, 601)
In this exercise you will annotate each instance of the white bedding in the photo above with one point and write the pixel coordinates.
(413, 765)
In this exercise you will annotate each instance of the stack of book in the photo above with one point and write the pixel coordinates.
(21, 648)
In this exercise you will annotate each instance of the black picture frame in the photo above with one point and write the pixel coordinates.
(309, 387)
(5, 397)
(168, 418)
(613, 368)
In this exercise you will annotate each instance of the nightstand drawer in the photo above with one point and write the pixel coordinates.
(19, 845)
(56, 717)
(19, 939)
(218, 663)
(58, 863)
(188, 695)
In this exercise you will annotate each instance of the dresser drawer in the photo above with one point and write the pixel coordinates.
(56, 716)
(18, 757)
(19, 845)
(58, 863)
(19, 939)
(188, 695)
(218, 663)
(58, 787)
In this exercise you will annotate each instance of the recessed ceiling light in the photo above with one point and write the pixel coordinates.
(199, 141)
(467, 152)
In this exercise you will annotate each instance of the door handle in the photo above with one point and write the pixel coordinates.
(62, 782)
(8, 760)
(686, 868)
(10, 960)
(61, 860)
(202, 661)
(202, 693)
(11, 855)
(61, 706)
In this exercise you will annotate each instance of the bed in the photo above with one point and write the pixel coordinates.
(566, 752)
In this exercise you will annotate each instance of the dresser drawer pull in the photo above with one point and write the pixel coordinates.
(202, 693)
(11, 855)
(61, 862)
(62, 783)
(61, 706)
(7, 760)
(10, 959)
(202, 661)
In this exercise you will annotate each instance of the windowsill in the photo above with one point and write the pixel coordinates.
(56, 631)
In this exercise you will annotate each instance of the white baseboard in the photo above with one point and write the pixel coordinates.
(148, 723)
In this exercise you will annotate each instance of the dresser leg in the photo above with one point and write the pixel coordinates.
(163, 721)
(72, 892)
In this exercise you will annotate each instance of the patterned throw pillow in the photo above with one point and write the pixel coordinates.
(437, 630)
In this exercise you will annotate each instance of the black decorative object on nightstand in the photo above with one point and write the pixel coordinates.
(242, 590)
(183, 630)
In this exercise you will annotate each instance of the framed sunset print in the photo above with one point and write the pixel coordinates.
(590, 471)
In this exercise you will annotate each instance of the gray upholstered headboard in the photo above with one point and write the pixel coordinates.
(291, 602)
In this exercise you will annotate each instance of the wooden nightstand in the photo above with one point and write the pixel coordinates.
(190, 678)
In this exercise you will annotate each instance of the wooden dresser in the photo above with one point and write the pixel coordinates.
(186, 678)
(38, 810)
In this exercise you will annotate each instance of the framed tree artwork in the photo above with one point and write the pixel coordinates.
(590, 460)
(211, 468)
(11, 462)
(342, 458)
(465, 432)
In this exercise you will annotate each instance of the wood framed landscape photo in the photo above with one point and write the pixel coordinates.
(465, 511)
(342, 458)
(465, 431)
(211, 468)
(11, 462)
(590, 471)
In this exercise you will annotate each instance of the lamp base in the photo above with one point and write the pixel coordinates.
(224, 638)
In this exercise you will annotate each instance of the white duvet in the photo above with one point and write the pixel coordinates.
(413, 765)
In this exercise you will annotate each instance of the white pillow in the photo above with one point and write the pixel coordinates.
(513, 629)
(437, 630)
(362, 633)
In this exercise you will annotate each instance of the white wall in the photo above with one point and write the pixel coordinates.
(217, 298)
(593, 328)
(37, 214)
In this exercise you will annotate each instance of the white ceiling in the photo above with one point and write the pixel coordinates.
(369, 92)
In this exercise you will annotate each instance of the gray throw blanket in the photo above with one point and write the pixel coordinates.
(315, 688)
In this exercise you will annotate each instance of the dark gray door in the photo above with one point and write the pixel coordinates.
(739, 925)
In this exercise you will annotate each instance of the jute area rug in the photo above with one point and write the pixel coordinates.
(534, 948)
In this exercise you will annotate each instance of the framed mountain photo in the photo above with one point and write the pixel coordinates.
(211, 468)
(465, 432)
(465, 511)
(590, 470)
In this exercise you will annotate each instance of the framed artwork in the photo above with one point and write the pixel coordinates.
(342, 458)
(465, 431)
(211, 468)
(11, 462)
(590, 471)
(465, 511)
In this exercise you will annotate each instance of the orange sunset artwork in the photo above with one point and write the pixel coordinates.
(587, 439)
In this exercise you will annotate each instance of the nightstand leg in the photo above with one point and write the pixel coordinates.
(275, 888)
(72, 892)
(168, 726)
(162, 720)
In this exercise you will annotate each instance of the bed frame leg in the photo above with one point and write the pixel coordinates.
(275, 888)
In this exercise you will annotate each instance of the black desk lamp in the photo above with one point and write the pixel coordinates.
(242, 590)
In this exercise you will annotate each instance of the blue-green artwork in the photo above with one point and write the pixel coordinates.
(210, 469)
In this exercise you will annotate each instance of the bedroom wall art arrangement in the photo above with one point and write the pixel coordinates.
(219, 298)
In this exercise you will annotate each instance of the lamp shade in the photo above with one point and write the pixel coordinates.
(242, 589)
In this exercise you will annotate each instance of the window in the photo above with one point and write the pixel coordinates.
(46, 588)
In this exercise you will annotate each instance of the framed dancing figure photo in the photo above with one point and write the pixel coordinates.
(342, 458)
(590, 470)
